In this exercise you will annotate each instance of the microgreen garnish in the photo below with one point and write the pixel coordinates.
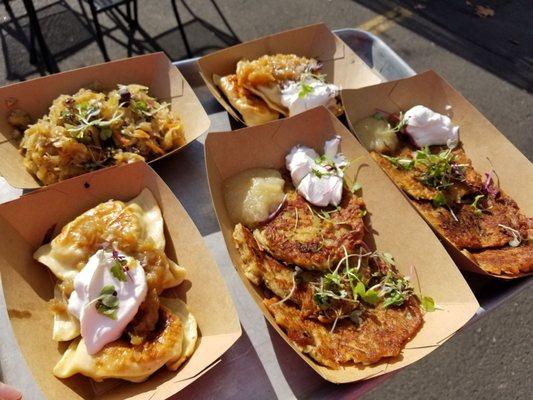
(438, 167)
(395, 290)
(476, 208)
(107, 302)
(347, 284)
(86, 116)
(403, 163)
(517, 237)
(439, 200)
(356, 187)
(427, 303)
(117, 270)
(305, 90)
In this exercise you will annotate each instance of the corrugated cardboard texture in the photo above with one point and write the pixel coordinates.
(341, 65)
(481, 140)
(35, 96)
(33, 219)
(398, 228)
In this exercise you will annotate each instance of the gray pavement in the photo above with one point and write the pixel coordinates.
(489, 60)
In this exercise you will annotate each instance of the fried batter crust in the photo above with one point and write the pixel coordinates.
(382, 333)
(297, 235)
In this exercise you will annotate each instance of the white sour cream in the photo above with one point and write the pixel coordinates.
(298, 100)
(318, 180)
(428, 128)
(98, 329)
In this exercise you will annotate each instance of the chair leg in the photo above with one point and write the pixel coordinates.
(224, 20)
(98, 30)
(131, 28)
(48, 59)
(181, 28)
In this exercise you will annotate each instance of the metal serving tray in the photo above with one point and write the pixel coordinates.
(260, 365)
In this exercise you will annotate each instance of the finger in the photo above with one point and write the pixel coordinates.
(9, 393)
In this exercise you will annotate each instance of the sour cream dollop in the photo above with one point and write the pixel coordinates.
(308, 93)
(98, 329)
(428, 128)
(318, 179)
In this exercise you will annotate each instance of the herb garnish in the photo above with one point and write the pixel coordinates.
(439, 200)
(427, 303)
(86, 116)
(305, 90)
(107, 302)
(477, 210)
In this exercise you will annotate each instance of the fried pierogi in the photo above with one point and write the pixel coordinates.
(101, 259)
(281, 84)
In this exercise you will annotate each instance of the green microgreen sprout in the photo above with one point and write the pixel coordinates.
(439, 200)
(356, 187)
(86, 116)
(107, 302)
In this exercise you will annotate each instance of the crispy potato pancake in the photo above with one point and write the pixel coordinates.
(410, 183)
(383, 333)
(262, 268)
(506, 260)
(477, 221)
(303, 236)
(471, 231)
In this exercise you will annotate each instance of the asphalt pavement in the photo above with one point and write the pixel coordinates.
(483, 48)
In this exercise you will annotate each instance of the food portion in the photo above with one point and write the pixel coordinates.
(282, 84)
(338, 300)
(95, 129)
(112, 269)
(252, 195)
(470, 210)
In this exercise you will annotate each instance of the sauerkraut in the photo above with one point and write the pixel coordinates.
(94, 129)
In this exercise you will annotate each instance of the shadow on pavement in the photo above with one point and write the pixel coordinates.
(67, 29)
(501, 42)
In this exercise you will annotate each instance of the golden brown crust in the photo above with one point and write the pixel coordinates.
(253, 109)
(409, 181)
(262, 268)
(506, 260)
(383, 333)
(298, 235)
(471, 231)
(272, 69)
(483, 232)
(161, 344)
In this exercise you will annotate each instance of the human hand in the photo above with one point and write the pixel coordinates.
(9, 393)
